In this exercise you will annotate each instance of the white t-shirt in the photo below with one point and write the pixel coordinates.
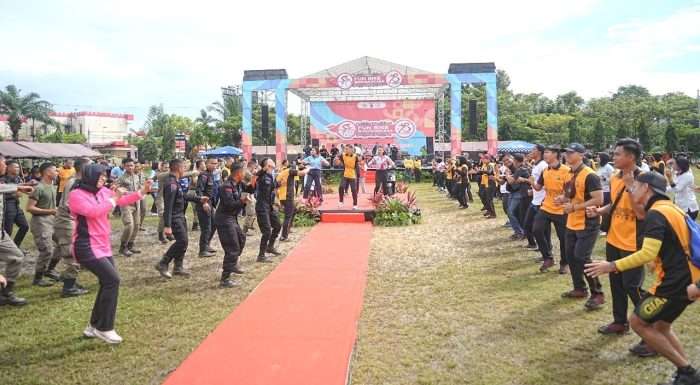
(538, 196)
(645, 167)
(605, 173)
(685, 193)
(504, 186)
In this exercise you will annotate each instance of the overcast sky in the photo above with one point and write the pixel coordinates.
(124, 55)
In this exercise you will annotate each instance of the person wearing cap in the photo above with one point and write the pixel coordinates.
(551, 182)
(666, 244)
(582, 191)
(625, 224)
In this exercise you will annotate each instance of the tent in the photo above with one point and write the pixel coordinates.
(515, 146)
(35, 150)
(224, 151)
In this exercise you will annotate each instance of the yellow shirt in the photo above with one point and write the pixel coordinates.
(282, 183)
(416, 163)
(350, 161)
(554, 180)
(63, 175)
(577, 220)
(623, 222)
(408, 164)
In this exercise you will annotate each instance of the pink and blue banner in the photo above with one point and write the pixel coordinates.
(405, 123)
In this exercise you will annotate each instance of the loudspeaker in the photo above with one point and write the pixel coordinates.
(429, 145)
(264, 120)
(315, 143)
(472, 117)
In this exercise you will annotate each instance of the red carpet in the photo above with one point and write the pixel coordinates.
(299, 326)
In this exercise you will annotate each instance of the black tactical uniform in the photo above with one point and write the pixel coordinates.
(230, 233)
(14, 215)
(174, 217)
(205, 187)
(268, 220)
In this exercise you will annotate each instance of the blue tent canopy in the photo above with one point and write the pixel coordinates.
(515, 147)
(224, 151)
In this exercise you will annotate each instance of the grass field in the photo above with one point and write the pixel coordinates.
(449, 301)
(161, 321)
(452, 301)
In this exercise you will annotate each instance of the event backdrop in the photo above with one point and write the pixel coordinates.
(405, 123)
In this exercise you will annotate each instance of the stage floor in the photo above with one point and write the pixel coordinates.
(364, 204)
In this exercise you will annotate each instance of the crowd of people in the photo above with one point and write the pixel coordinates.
(623, 196)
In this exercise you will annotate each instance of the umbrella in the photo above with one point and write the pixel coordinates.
(224, 151)
(515, 147)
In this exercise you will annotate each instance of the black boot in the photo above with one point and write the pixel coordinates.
(263, 259)
(71, 289)
(237, 270)
(272, 250)
(39, 280)
(8, 297)
(51, 272)
(180, 270)
(123, 250)
(130, 247)
(227, 282)
(162, 268)
(161, 238)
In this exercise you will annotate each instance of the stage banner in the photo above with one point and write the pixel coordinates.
(405, 123)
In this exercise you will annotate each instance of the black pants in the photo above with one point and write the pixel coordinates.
(489, 193)
(206, 227)
(381, 179)
(462, 194)
(623, 285)
(344, 183)
(449, 185)
(177, 250)
(417, 173)
(232, 241)
(104, 311)
(579, 246)
(15, 216)
(289, 212)
(469, 191)
(270, 228)
(505, 199)
(314, 176)
(542, 228)
(529, 221)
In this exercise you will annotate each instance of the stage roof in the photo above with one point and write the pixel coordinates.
(369, 78)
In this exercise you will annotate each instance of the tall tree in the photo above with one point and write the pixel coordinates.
(19, 108)
(643, 133)
(671, 138)
(599, 136)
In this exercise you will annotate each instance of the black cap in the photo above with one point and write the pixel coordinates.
(576, 147)
(553, 148)
(656, 181)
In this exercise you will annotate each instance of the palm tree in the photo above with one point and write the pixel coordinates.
(229, 108)
(19, 108)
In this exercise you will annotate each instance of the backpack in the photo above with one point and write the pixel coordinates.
(692, 250)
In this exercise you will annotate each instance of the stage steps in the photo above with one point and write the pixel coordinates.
(343, 217)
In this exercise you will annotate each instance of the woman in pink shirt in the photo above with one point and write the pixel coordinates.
(90, 205)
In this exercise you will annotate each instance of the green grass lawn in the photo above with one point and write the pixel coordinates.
(452, 301)
(161, 321)
(448, 301)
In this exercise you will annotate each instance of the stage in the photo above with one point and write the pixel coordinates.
(330, 212)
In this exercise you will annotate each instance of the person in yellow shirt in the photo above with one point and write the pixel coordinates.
(285, 194)
(408, 169)
(417, 169)
(351, 169)
(665, 242)
(582, 191)
(64, 174)
(624, 225)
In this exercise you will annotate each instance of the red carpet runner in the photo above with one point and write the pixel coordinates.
(299, 326)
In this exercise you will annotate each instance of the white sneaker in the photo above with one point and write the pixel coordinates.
(89, 332)
(340, 205)
(110, 337)
(355, 208)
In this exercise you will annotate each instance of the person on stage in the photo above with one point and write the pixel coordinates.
(315, 163)
(381, 163)
(351, 169)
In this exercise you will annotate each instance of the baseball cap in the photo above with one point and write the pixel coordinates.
(576, 147)
(656, 181)
(553, 148)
